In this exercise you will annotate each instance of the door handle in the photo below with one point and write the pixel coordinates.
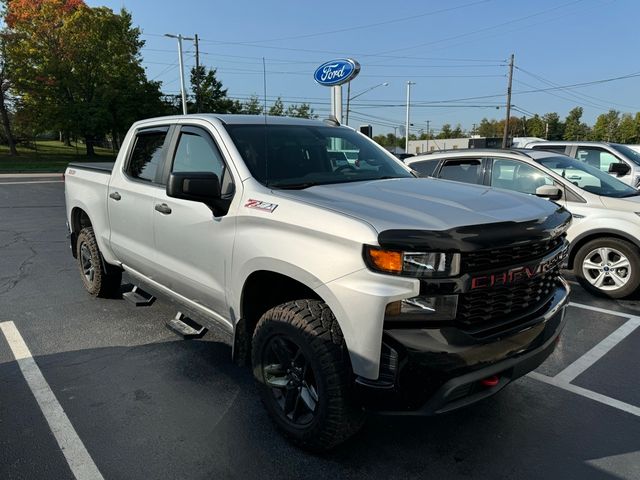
(163, 208)
(115, 195)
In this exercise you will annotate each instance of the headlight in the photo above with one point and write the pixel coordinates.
(423, 308)
(414, 264)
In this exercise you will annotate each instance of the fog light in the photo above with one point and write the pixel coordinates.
(438, 307)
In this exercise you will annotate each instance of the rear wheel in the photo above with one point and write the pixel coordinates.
(609, 267)
(99, 279)
(302, 366)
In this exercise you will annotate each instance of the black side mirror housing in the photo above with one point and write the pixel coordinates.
(550, 192)
(619, 168)
(201, 187)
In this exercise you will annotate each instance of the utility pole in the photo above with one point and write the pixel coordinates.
(197, 73)
(505, 135)
(406, 140)
(473, 129)
(180, 61)
(428, 134)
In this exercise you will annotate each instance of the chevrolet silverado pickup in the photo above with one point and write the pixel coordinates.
(348, 286)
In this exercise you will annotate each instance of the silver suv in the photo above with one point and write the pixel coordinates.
(605, 232)
(613, 158)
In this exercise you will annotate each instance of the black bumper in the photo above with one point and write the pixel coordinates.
(431, 371)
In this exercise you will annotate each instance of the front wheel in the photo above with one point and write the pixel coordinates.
(609, 267)
(302, 366)
(99, 279)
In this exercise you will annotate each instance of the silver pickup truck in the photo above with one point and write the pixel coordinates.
(350, 286)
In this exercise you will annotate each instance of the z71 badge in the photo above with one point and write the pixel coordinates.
(260, 205)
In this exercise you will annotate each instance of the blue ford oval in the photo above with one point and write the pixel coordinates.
(336, 72)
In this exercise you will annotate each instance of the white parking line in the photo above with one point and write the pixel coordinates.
(565, 377)
(74, 451)
(612, 402)
(599, 351)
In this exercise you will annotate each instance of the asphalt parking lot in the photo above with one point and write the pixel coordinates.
(147, 405)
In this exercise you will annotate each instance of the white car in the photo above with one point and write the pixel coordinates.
(605, 232)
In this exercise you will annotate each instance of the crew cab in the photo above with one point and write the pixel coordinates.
(349, 287)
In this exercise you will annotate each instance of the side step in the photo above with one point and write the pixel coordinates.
(186, 327)
(139, 297)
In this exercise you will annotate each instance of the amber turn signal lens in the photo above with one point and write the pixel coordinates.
(387, 260)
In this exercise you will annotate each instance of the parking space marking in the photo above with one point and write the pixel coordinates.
(77, 456)
(565, 377)
(601, 349)
(611, 402)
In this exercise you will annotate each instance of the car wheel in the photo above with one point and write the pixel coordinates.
(609, 267)
(303, 370)
(99, 279)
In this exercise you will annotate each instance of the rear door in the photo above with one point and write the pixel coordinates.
(193, 246)
(132, 190)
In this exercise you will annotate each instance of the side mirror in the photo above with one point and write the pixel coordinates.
(550, 192)
(619, 168)
(196, 186)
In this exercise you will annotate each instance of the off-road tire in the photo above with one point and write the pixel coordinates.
(627, 249)
(105, 280)
(311, 326)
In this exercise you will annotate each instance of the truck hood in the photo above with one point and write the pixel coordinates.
(427, 205)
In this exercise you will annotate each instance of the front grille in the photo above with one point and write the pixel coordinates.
(493, 310)
(507, 256)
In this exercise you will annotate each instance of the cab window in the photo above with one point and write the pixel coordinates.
(426, 168)
(147, 155)
(197, 152)
(596, 157)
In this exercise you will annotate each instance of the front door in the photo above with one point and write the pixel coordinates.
(194, 247)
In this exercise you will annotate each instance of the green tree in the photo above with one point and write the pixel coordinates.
(445, 131)
(488, 128)
(535, 126)
(277, 109)
(5, 85)
(574, 129)
(303, 110)
(210, 96)
(627, 129)
(457, 132)
(553, 126)
(606, 126)
(253, 106)
(78, 69)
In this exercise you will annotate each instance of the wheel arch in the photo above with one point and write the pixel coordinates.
(79, 220)
(580, 240)
(262, 290)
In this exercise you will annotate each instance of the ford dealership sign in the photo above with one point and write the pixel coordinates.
(336, 72)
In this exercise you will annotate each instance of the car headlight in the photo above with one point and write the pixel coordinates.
(413, 264)
(423, 308)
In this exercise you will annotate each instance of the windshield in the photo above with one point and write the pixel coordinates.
(300, 156)
(588, 178)
(630, 153)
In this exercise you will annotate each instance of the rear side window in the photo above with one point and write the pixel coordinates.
(147, 155)
(467, 171)
(425, 168)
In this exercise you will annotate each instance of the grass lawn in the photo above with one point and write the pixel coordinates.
(49, 156)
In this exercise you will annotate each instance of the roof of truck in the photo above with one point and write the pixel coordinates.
(229, 119)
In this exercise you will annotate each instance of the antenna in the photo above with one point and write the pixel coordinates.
(266, 133)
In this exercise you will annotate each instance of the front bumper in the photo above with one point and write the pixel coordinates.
(431, 371)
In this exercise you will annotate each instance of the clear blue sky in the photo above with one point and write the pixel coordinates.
(452, 50)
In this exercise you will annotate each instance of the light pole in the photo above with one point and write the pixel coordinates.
(349, 97)
(406, 140)
(182, 92)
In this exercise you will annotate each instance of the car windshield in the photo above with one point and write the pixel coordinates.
(300, 156)
(588, 178)
(630, 153)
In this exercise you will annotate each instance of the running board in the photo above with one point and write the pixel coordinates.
(139, 297)
(186, 327)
